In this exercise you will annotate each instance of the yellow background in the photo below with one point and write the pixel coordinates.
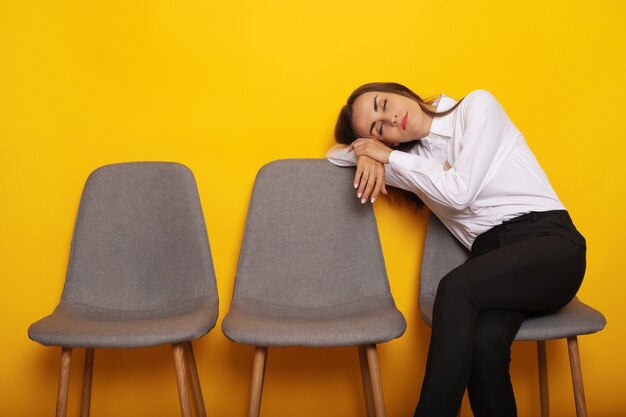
(227, 86)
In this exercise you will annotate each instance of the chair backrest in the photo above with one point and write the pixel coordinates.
(140, 241)
(442, 253)
(308, 241)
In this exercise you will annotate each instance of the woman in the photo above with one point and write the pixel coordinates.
(471, 166)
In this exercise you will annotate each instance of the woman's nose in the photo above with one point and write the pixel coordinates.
(395, 119)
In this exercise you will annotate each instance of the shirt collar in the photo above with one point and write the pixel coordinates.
(443, 125)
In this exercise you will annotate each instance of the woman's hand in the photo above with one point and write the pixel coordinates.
(372, 148)
(369, 178)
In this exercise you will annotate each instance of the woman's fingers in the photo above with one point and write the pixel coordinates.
(361, 168)
(369, 179)
(371, 183)
(364, 168)
(357, 175)
(357, 142)
(363, 184)
(375, 190)
(359, 147)
(379, 185)
(375, 180)
(372, 148)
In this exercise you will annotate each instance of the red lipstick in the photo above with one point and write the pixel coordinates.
(405, 120)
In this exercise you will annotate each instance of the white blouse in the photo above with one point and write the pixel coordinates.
(493, 175)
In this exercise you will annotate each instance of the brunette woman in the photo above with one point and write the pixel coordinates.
(471, 166)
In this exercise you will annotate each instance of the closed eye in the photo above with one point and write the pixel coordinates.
(385, 105)
(380, 131)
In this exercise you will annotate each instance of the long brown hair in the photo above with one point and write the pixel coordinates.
(344, 130)
(345, 134)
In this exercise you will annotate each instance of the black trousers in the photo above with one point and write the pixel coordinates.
(532, 264)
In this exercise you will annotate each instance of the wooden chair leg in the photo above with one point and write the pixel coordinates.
(87, 378)
(377, 388)
(458, 413)
(543, 378)
(577, 376)
(367, 385)
(258, 372)
(64, 379)
(181, 379)
(195, 380)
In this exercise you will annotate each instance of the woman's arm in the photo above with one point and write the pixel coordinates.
(488, 138)
(370, 175)
(341, 156)
(369, 178)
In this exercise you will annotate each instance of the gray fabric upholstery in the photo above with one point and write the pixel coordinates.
(311, 270)
(140, 271)
(443, 253)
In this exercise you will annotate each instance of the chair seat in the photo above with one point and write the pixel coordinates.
(368, 321)
(576, 318)
(80, 325)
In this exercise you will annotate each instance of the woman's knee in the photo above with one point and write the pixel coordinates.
(495, 332)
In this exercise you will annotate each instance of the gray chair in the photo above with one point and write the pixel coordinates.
(311, 272)
(443, 253)
(140, 274)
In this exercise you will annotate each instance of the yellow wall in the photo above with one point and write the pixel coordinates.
(225, 87)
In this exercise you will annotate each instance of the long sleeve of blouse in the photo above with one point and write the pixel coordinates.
(473, 170)
(486, 139)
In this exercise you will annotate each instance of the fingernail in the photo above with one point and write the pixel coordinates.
(356, 185)
(363, 201)
(373, 199)
(359, 195)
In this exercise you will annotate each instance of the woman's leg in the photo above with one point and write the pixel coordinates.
(489, 388)
(533, 275)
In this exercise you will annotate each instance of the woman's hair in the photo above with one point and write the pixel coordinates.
(344, 130)
(345, 134)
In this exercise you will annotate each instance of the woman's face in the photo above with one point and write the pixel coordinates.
(388, 117)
